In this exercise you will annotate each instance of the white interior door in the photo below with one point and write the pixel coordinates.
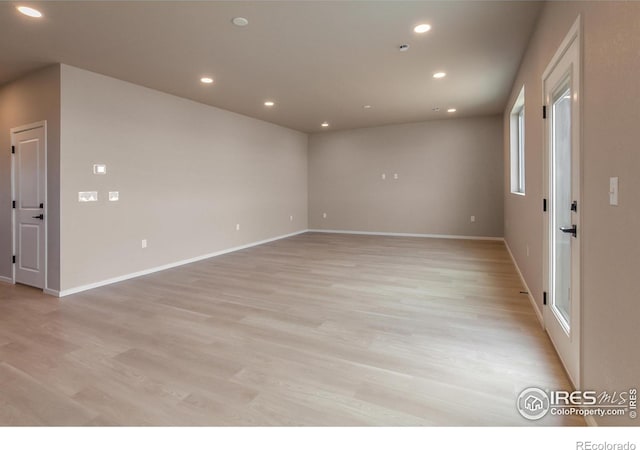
(563, 229)
(29, 193)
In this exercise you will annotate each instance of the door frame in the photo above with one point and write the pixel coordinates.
(13, 132)
(574, 35)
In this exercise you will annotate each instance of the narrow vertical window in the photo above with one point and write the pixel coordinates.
(517, 145)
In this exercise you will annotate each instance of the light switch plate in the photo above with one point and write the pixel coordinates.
(613, 191)
(88, 196)
(114, 196)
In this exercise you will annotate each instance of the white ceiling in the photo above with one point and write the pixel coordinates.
(318, 61)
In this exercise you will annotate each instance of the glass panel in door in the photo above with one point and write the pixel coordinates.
(561, 154)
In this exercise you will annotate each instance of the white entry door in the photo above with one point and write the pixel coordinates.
(29, 166)
(563, 229)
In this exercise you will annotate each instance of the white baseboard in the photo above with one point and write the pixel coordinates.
(435, 236)
(86, 287)
(524, 282)
(591, 421)
(6, 280)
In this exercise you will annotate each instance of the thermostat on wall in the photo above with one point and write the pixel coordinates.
(99, 169)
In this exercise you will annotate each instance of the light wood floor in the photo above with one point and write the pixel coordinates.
(317, 329)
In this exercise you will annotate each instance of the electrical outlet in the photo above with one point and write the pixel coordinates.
(291, 218)
(473, 219)
(324, 215)
(395, 176)
(384, 176)
(144, 243)
(237, 227)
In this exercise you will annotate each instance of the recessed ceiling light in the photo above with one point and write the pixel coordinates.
(29, 11)
(325, 124)
(366, 106)
(451, 110)
(422, 28)
(240, 21)
(206, 80)
(439, 75)
(269, 103)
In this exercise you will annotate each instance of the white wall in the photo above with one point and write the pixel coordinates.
(448, 170)
(610, 136)
(31, 99)
(187, 173)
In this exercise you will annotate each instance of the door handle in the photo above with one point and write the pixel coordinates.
(41, 217)
(573, 230)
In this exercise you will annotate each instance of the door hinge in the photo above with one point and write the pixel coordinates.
(544, 298)
(14, 259)
(13, 204)
(544, 111)
(544, 204)
(13, 149)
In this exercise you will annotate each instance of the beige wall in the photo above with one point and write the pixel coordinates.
(448, 171)
(31, 99)
(611, 248)
(186, 173)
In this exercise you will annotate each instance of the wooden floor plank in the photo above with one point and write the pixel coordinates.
(317, 329)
